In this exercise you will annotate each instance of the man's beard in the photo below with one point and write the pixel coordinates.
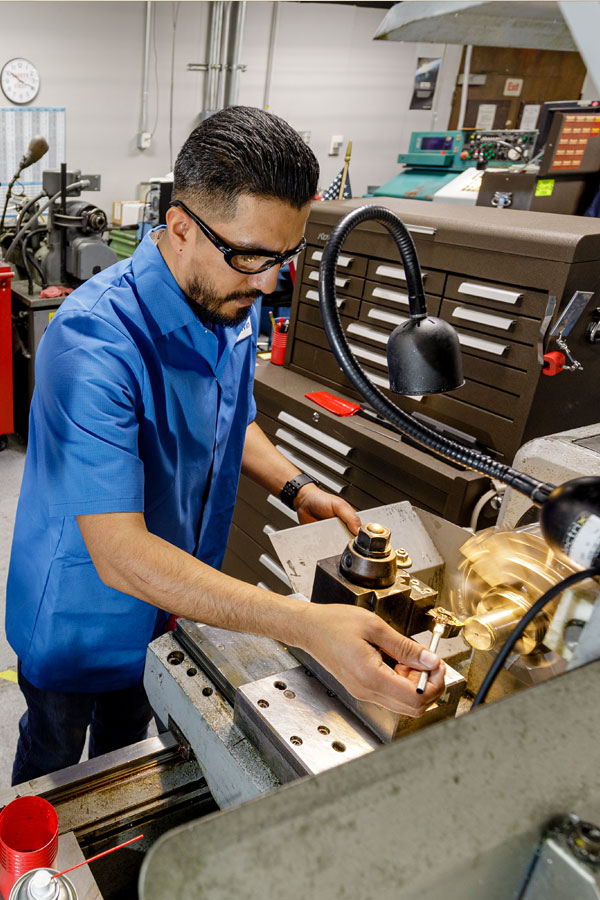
(208, 305)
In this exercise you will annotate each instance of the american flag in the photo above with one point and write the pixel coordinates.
(333, 191)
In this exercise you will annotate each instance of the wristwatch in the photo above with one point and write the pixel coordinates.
(291, 488)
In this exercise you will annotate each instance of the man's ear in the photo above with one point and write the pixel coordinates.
(178, 226)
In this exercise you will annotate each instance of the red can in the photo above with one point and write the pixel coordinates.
(28, 839)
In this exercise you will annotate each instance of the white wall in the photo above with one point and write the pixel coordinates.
(329, 77)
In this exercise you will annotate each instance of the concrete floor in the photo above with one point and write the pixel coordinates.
(12, 704)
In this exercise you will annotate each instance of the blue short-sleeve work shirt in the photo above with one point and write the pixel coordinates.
(138, 407)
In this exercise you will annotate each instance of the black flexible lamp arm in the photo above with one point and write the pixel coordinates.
(570, 513)
(468, 457)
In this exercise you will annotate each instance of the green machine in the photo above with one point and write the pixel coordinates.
(435, 158)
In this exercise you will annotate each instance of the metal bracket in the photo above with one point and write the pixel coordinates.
(550, 307)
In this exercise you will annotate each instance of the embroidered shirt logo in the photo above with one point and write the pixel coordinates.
(245, 332)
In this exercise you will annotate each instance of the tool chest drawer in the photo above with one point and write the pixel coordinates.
(264, 563)
(396, 297)
(497, 324)
(351, 263)
(393, 273)
(375, 457)
(374, 465)
(501, 296)
(347, 284)
(350, 306)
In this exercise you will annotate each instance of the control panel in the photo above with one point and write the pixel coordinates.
(434, 148)
(499, 146)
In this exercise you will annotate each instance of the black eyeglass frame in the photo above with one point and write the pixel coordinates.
(275, 259)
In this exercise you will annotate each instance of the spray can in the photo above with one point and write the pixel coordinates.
(40, 885)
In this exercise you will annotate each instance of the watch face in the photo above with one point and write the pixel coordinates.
(20, 80)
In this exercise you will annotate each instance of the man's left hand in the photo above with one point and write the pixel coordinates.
(313, 504)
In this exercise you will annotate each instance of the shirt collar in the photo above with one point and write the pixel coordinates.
(165, 303)
(157, 289)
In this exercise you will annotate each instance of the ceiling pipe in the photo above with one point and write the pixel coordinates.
(233, 84)
(270, 54)
(223, 55)
(213, 44)
(465, 87)
(143, 127)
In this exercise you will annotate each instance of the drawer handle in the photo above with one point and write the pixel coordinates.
(336, 486)
(276, 502)
(314, 433)
(315, 454)
(395, 296)
(382, 337)
(369, 355)
(269, 529)
(270, 564)
(382, 316)
(489, 293)
(344, 261)
(391, 272)
(339, 282)
(384, 382)
(473, 315)
(468, 340)
(314, 295)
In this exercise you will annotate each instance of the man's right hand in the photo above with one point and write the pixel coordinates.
(347, 641)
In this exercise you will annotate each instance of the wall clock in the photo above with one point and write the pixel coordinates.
(20, 80)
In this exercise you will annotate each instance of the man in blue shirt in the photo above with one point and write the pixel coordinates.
(141, 420)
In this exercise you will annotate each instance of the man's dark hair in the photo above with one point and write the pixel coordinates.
(244, 150)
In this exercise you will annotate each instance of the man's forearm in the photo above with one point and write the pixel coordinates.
(344, 639)
(130, 559)
(263, 463)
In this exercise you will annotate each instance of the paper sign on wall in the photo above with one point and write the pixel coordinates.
(485, 116)
(531, 112)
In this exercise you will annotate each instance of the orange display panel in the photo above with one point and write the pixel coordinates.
(572, 141)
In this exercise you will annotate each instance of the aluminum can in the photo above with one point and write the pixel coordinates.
(34, 886)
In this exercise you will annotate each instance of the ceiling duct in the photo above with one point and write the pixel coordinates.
(536, 24)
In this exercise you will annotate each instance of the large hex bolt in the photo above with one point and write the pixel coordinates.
(369, 559)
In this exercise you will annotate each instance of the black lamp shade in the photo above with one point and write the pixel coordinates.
(424, 357)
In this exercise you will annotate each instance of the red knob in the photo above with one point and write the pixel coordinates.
(553, 362)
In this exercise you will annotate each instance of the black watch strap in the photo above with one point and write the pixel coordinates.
(291, 488)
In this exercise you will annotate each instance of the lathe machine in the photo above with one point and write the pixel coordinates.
(316, 794)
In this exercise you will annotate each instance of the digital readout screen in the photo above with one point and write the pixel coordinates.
(436, 143)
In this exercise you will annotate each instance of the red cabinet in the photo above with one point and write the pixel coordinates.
(6, 378)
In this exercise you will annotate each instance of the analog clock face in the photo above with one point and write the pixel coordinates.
(20, 80)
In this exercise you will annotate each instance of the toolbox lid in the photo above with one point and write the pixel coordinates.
(540, 235)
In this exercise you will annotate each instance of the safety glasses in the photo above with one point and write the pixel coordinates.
(247, 261)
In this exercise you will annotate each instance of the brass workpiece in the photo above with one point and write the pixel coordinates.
(403, 560)
(444, 621)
